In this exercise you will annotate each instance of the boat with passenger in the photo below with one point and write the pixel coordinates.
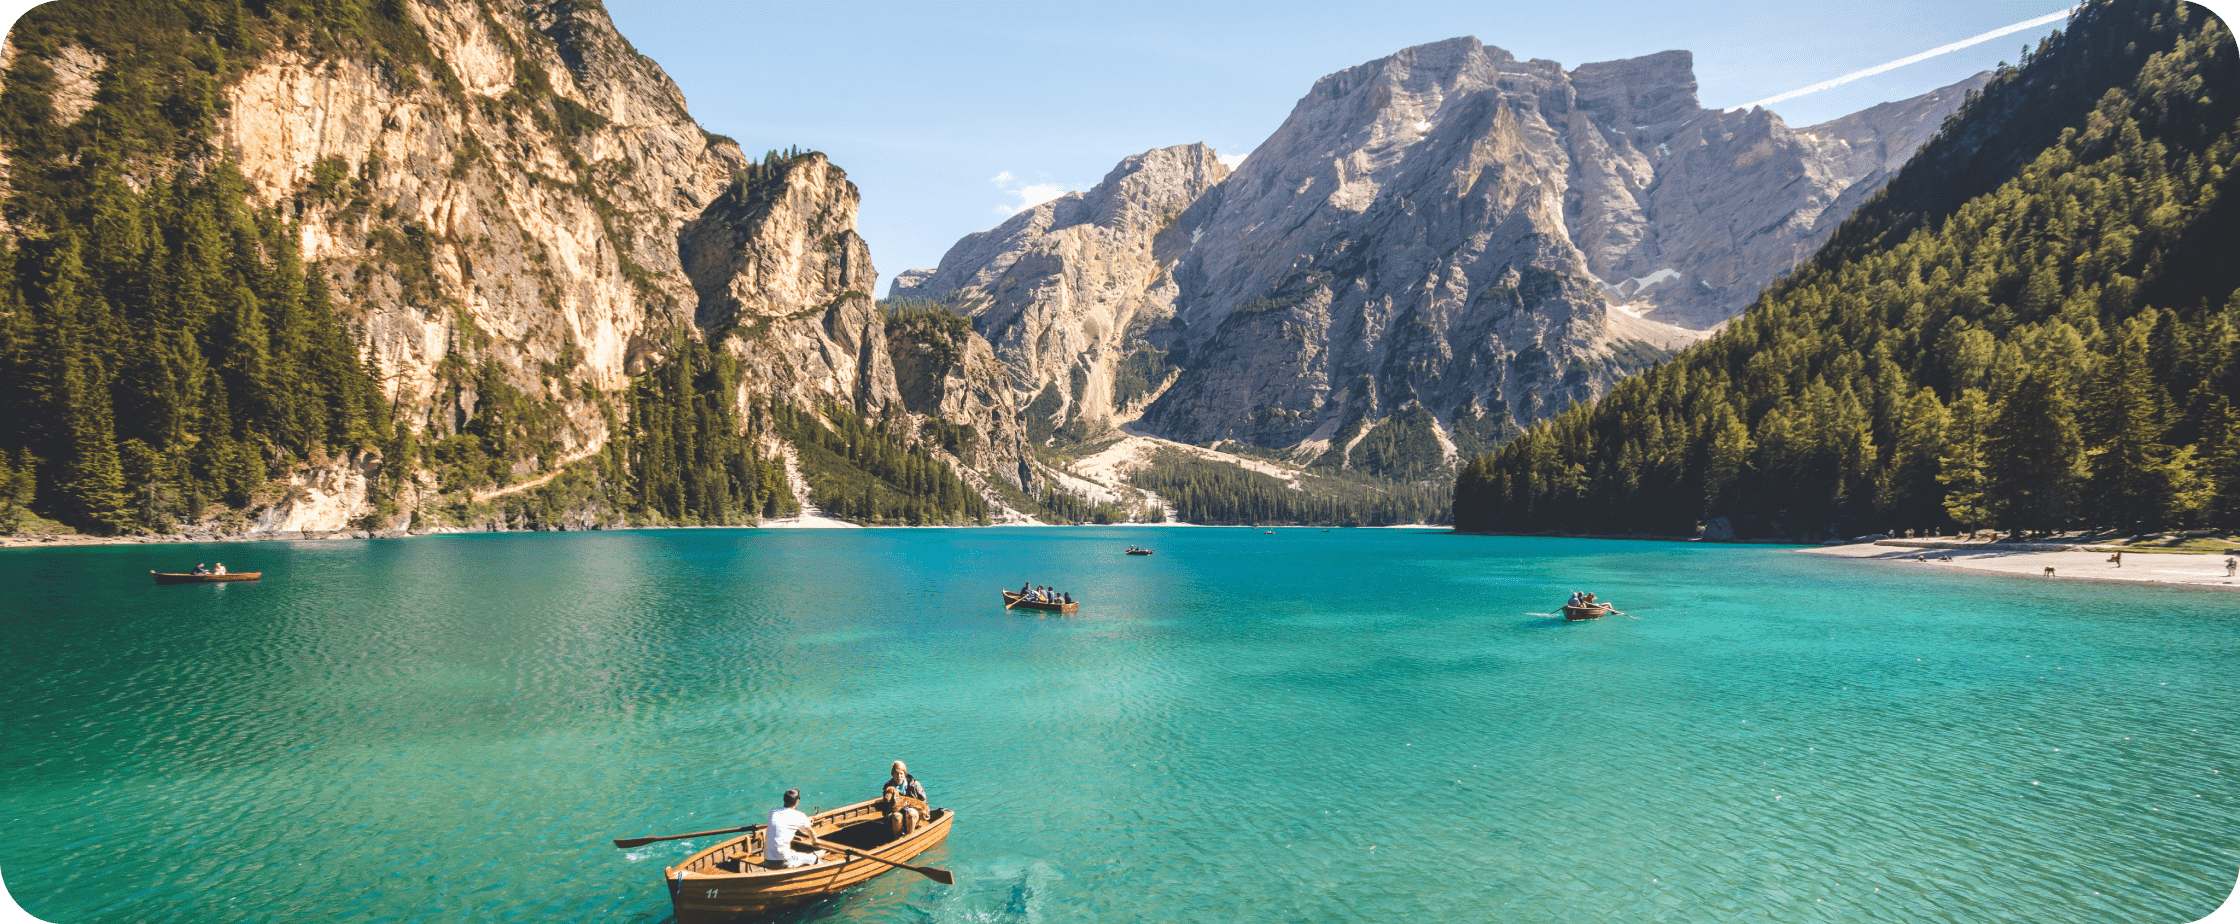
(1012, 598)
(1579, 611)
(733, 881)
(164, 577)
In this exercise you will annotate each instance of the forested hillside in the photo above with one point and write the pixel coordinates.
(2034, 327)
(162, 347)
(465, 304)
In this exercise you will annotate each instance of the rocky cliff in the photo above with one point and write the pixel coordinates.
(508, 203)
(1068, 290)
(1447, 242)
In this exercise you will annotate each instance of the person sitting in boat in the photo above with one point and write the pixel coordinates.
(1068, 598)
(1026, 589)
(200, 568)
(220, 569)
(1576, 597)
(903, 799)
(785, 824)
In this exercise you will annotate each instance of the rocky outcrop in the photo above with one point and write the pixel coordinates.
(534, 193)
(1067, 291)
(459, 217)
(1448, 228)
(1685, 213)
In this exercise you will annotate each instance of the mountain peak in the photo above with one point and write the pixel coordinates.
(1644, 91)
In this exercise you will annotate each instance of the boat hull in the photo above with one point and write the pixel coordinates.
(1139, 551)
(1012, 601)
(1578, 613)
(705, 894)
(163, 578)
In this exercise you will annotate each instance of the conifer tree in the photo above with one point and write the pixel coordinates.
(2133, 479)
(2033, 456)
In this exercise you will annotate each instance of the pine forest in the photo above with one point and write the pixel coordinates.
(2033, 328)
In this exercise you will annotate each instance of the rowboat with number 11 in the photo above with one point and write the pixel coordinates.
(731, 882)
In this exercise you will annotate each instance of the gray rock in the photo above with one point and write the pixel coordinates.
(1446, 228)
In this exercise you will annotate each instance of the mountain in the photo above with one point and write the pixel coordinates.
(1433, 250)
(2035, 326)
(440, 263)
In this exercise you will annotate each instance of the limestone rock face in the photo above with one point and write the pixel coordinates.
(1685, 213)
(1065, 290)
(778, 258)
(1447, 228)
(572, 234)
(476, 223)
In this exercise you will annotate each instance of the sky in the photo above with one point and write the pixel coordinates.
(951, 115)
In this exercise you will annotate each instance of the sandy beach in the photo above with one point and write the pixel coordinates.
(2205, 571)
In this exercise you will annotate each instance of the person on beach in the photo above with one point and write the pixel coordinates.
(2117, 558)
(785, 824)
(2231, 565)
(903, 800)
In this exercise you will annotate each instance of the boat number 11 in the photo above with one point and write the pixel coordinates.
(711, 893)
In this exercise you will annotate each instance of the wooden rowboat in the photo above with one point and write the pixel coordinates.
(1576, 613)
(1139, 551)
(168, 578)
(732, 882)
(1011, 599)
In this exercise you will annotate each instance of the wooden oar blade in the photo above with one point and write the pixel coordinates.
(936, 874)
(629, 842)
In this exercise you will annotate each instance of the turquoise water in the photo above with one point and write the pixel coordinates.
(1354, 725)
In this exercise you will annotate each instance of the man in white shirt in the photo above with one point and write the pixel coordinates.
(777, 840)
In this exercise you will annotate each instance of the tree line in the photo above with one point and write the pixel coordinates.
(866, 473)
(1221, 494)
(2060, 350)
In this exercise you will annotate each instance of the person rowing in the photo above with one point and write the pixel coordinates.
(786, 824)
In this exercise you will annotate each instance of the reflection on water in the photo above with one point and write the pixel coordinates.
(1297, 726)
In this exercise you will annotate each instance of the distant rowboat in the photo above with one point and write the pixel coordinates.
(168, 578)
(1013, 599)
(1139, 551)
(1576, 613)
(732, 882)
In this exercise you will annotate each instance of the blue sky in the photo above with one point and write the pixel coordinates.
(944, 113)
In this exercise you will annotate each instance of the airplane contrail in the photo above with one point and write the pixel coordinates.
(1901, 62)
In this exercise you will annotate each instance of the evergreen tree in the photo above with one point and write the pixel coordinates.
(2033, 457)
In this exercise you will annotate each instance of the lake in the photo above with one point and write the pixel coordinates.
(1308, 725)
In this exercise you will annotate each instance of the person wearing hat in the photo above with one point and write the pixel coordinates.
(785, 824)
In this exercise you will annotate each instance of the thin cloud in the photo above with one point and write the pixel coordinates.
(1911, 59)
(1030, 195)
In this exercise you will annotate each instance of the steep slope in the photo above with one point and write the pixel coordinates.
(1433, 249)
(1074, 293)
(2058, 349)
(431, 262)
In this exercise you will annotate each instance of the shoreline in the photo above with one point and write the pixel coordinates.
(2198, 570)
(787, 523)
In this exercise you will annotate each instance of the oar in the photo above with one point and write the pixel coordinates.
(1015, 601)
(629, 842)
(934, 873)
